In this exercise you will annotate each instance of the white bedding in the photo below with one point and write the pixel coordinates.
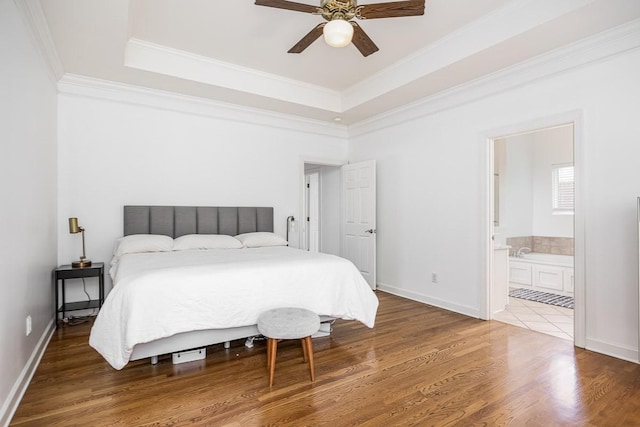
(157, 295)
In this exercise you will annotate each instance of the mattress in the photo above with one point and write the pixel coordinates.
(157, 295)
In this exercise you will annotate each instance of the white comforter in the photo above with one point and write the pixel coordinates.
(156, 295)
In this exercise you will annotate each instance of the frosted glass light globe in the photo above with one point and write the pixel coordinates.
(338, 33)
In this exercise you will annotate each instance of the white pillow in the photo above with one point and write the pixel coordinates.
(137, 243)
(260, 239)
(206, 241)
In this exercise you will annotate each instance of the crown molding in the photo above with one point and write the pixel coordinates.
(32, 14)
(143, 55)
(76, 85)
(603, 45)
(510, 20)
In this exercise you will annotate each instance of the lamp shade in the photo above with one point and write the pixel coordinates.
(338, 33)
(73, 226)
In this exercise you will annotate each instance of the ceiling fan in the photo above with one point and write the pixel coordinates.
(340, 30)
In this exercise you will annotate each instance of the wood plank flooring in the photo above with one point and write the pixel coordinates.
(420, 365)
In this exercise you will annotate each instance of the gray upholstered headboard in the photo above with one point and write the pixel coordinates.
(176, 221)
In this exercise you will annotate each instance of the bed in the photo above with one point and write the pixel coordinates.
(169, 300)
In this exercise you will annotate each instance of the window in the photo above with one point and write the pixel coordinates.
(563, 189)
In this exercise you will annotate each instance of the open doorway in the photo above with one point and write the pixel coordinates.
(320, 222)
(533, 203)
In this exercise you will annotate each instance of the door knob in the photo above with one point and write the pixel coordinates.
(371, 231)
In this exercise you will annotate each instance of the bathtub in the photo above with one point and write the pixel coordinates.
(548, 259)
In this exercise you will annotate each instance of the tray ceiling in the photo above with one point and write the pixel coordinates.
(236, 52)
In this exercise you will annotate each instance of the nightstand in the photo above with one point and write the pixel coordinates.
(65, 272)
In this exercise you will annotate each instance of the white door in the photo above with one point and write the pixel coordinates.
(359, 217)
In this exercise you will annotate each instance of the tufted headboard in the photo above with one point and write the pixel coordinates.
(176, 221)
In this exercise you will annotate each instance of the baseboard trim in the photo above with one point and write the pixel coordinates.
(22, 383)
(446, 305)
(613, 350)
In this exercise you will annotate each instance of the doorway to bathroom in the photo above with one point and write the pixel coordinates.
(533, 204)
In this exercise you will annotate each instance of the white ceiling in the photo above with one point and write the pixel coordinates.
(236, 52)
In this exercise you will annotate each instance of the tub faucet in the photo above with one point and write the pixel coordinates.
(521, 252)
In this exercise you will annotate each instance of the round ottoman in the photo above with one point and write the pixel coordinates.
(284, 324)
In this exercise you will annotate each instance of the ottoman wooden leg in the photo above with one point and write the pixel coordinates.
(272, 349)
(308, 346)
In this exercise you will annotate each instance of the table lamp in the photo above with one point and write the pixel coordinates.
(73, 229)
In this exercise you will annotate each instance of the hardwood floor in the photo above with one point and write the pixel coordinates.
(419, 366)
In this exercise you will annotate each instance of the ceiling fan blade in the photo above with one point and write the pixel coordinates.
(361, 40)
(289, 5)
(306, 41)
(393, 9)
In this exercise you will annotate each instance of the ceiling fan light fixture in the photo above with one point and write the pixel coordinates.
(338, 33)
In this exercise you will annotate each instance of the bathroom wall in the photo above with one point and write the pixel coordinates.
(549, 147)
(518, 186)
(527, 219)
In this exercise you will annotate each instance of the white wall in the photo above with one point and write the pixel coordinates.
(428, 222)
(115, 153)
(28, 214)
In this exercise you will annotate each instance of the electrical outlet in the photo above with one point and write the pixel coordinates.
(434, 278)
(28, 325)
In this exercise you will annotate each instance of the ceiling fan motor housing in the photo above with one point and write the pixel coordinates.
(336, 9)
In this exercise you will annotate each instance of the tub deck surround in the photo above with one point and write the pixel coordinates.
(553, 245)
(543, 272)
(549, 259)
(544, 244)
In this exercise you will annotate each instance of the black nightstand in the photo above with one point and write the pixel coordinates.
(67, 272)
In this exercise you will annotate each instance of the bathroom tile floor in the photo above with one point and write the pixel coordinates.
(548, 319)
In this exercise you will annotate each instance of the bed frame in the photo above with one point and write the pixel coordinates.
(176, 221)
